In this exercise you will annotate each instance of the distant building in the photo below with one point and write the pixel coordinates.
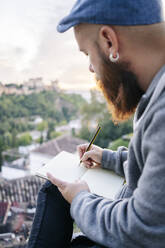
(1, 88)
(74, 124)
(35, 83)
(17, 209)
(25, 90)
(17, 159)
(28, 87)
(25, 150)
(10, 173)
(55, 85)
(48, 150)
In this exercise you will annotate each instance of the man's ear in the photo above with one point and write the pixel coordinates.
(108, 40)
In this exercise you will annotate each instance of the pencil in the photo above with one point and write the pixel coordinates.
(92, 141)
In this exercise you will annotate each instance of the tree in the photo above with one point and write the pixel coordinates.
(66, 113)
(84, 133)
(14, 138)
(55, 134)
(73, 132)
(41, 140)
(96, 112)
(7, 140)
(25, 140)
(42, 126)
(51, 128)
(119, 142)
(17, 109)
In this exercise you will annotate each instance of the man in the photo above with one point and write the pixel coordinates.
(125, 42)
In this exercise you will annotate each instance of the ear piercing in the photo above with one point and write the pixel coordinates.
(114, 59)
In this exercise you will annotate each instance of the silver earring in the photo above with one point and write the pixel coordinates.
(114, 59)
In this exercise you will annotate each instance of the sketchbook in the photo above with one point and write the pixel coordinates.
(65, 166)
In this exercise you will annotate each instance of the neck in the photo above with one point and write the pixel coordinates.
(148, 66)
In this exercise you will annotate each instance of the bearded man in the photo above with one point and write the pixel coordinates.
(125, 43)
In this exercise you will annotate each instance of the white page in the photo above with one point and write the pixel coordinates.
(103, 182)
(64, 166)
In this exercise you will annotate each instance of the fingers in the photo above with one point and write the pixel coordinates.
(88, 164)
(87, 157)
(59, 183)
(92, 158)
(82, 149)
(87, 160)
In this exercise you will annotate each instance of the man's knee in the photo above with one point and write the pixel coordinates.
(46, 186)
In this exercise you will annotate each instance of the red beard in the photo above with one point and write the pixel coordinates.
(120, 88)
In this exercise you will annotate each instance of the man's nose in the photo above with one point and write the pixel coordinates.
(91, 68)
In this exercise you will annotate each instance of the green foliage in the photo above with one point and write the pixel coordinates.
(84, 133)
(66, 114)
(110, 131)
(14, 138)
(55, 134)
(76, 99)
(7, 140)
(73, 132)
(119, 142)
(42, 126)
(41, 139)
(97, 112)
(51, 129)
(24, 140)
(93, 110)
(16, 110)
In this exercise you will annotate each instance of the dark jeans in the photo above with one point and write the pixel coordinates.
(53, 226)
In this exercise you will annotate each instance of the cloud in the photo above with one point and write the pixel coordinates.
(30, 45)
(23, 25)
(58, 55)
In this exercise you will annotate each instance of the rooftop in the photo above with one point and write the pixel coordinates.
(63, 143)
(22, 190)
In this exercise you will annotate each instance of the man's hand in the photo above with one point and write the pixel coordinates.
(91, 158)
(69, 190)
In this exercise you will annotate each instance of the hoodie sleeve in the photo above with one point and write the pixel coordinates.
(138, 221)
(114, 160)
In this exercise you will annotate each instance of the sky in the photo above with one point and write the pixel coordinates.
(31, 47)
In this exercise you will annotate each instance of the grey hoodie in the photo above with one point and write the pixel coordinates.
(136, 218)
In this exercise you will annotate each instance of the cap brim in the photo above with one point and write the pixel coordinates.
(67, 23)
(61, 28)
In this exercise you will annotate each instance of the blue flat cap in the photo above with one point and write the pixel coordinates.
(113, 12)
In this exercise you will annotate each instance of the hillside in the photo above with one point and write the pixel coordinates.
(17, 111)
